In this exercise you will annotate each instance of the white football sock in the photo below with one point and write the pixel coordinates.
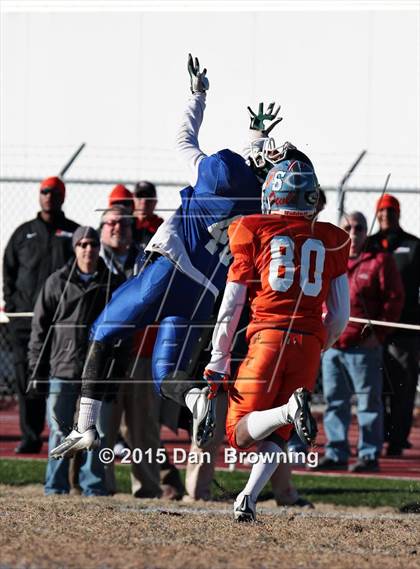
(195, 400)
(262, 470)
(88, 413)
(260, 424)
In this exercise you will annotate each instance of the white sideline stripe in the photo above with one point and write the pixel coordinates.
(282, 511)
(8, 315)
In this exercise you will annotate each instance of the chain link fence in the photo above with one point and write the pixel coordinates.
(86, 200)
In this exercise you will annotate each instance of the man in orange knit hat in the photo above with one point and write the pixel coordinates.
(36, 249)
(401, 352)
(120, 195)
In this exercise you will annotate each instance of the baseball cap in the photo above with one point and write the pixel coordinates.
(54, 183)
(145, 189)
(388, 201)
(84, 232)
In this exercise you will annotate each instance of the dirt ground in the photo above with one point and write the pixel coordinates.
(37, 532)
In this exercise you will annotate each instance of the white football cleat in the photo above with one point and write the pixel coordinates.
(204, 419)
(76, 441)
(244, 508)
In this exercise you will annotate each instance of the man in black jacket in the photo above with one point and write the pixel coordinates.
(69, 302)
(36, 249)
(401, 352)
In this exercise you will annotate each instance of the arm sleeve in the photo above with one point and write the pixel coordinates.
(41, 330)
(338, 309)
(187, 135)
(392, 293)
(230, 312)
(256, 138)
(10, 271)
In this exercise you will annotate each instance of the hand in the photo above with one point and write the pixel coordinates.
(214, 380)
(37, 388)
(257, 120)
(199, 81)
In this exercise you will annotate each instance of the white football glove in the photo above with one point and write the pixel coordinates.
(199, 81)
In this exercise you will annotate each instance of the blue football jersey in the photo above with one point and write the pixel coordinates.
(225, 189)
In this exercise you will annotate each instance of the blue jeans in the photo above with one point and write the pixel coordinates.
(61, 407)
(344, 373)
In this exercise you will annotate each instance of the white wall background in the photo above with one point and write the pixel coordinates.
(346, 75)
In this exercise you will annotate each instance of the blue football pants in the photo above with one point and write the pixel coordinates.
(183, 308)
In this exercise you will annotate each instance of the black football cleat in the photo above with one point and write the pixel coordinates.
(244, 509)
(204, 420)
(305, 424)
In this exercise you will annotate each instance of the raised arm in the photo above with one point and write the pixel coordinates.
(187, 136)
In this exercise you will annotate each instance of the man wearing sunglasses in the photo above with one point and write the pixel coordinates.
(36, 249)
(118, 249)
(67, 305)
(354, 363)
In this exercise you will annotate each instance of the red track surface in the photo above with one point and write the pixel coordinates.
(406, 467)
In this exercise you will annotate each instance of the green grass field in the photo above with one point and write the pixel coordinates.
(339, 490)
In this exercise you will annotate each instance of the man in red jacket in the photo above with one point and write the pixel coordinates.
(354, 363)
(401, 353)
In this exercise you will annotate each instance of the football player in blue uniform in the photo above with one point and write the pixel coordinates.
(184, 271)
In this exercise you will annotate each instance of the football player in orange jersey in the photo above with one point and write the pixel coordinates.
(288, 265)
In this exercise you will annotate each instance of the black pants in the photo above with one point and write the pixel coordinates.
(31, 411)
(400, 384)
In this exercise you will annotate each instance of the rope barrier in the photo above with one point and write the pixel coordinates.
(5, 316)
(382, 323)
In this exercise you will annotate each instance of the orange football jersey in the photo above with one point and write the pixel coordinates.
(288, 264)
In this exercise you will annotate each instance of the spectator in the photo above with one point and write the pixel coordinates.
(146, 221)
(402, 346)
(134, 406)
(36, 249)
(69, 302)
(146, 225)
(117, 247)
(354, 363)
(120, 195)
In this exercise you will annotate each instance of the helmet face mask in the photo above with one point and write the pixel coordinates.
(291, 188)
(265, 154)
